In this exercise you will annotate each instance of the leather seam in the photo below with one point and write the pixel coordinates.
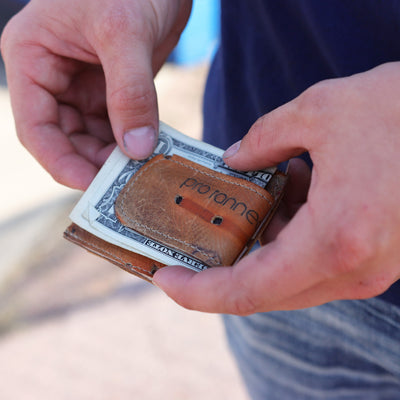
(224, 180)
(102, 251)
(172, 238)
(180, 241)
(142, 170)
(133, 222)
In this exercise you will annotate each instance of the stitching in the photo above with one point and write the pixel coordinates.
(204, 253)
(143, 170)
(224, 180)
(131, 221)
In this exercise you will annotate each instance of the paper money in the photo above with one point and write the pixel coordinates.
(95, 210)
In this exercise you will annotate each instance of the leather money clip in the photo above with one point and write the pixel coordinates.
(203, 214)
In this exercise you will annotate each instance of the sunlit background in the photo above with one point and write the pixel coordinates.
(75, 327)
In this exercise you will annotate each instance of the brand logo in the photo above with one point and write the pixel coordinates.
(237, 206)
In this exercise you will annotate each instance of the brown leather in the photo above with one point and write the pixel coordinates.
(205, 214)
(136, 264)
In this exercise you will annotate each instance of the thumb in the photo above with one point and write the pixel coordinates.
(132, 99)
(274, 138)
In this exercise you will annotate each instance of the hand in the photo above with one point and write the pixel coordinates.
(342, 243)
(80, 76)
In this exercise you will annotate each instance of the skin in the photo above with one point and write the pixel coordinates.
(337, 235)
(80, 76)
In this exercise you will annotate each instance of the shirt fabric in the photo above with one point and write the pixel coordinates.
(271, 51)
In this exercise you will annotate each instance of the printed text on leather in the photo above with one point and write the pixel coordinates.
(206, 214)
(224, 199)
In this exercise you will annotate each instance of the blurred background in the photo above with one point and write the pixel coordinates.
(75, 327)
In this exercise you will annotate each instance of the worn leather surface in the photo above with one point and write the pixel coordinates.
(205, 214)
(208, 215)
(136, 264)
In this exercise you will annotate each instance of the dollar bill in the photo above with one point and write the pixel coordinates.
(95, 210)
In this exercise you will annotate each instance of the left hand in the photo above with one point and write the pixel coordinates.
(342, 243)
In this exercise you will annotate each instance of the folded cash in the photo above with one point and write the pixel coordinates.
(96, 211)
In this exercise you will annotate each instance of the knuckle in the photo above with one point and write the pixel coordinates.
(3, 42)
(185, 302)
(116, 20)
(351, 249)
(314, 103)
(138, 98)
(22, 137)
(258, 130)
(7, 37)
(58, 177)
(242, 304)
(374, 285)
(110, 21)
(267, 129)
(24, 134)
(243, 300)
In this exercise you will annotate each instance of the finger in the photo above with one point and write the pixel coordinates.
(318, 294)
(163, 50)
(88, 147)
(104, 153)
(70, 120)
(91, 136)
(37, 123)
(274, 138)
(299, 176)
(131, 95)
(345, 287)
(83, 108)
(261, 281)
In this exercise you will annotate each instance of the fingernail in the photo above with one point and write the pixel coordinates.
(232, 150)
(140, 142)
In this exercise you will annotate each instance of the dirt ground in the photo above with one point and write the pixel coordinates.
(75, 327)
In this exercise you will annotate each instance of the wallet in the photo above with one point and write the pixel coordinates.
(205, 216)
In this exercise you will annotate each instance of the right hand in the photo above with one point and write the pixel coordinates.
(80, 76)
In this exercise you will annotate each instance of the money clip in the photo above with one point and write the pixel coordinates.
(189, 211)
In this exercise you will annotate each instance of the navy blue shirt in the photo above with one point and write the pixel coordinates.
(271, 51)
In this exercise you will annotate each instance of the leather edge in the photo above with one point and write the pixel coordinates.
(278, 183)
(134, 263)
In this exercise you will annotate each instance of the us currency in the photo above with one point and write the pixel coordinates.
(95, 210)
